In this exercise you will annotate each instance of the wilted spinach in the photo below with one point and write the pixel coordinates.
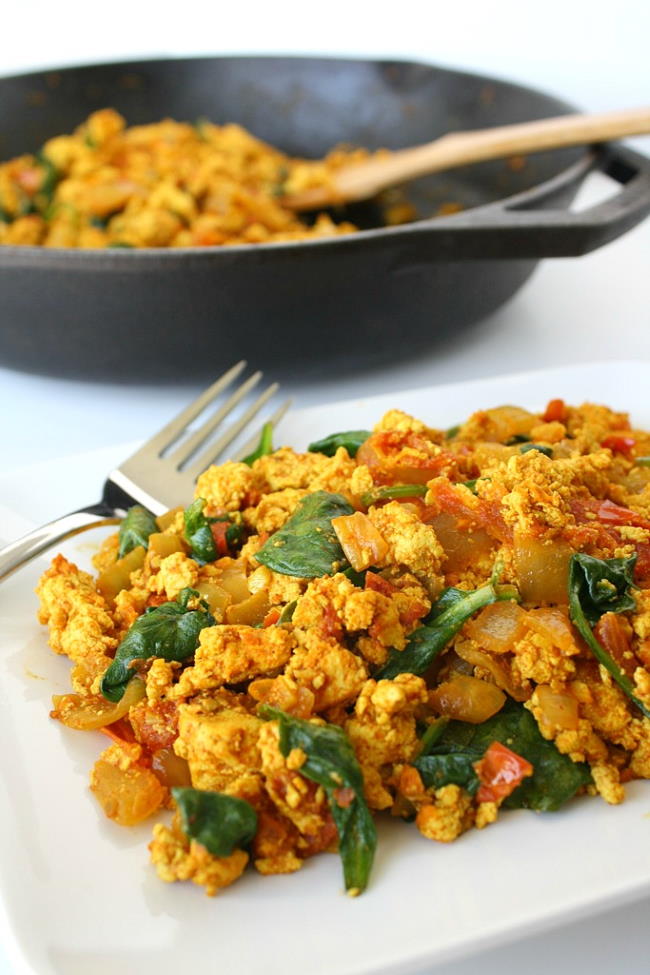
(135, 529)
(201, 536)
(170, 631)
(331, 763)
(547, 451)
(306, 545)
(220, 823)
(392, 492)
(198, 532)
(598, 586)
(452, 610)
(350, 439)
(264, 447)
(450, 759)
(50, 180)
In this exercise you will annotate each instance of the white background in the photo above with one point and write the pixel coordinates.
(593, 308)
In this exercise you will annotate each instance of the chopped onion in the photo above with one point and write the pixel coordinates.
(249, 611)
(553, 623)
(232, 578)
(362, 543)
(467, 699)
(215, 596)
(559, 709)
(542, 568)
(499, 672)
(118, 576)
(126, 795)
(497, 627)
(94, 712)
(462, 547)
(164, 545)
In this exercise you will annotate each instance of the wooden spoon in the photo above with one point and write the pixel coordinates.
(360, 180)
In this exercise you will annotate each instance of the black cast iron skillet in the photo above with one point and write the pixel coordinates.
(376, 296)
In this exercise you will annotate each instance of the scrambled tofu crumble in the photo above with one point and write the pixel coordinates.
(166, 184)
(431, 625)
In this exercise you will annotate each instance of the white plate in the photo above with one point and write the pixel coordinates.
(79, 895)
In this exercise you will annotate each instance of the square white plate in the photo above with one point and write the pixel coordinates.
(79, 896)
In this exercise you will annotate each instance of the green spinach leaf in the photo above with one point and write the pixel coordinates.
(555, 779)
(547, 451)
(220, 823)
(306, 545)
(50, 180)
(135, 529)
(264, 447)
(445, 619)
(351, 440)
(357, 579)
(198, 532)
(602, 585)
(392, 492)
(452, 768)
(170, 631)
(332, 764)
(598, 586)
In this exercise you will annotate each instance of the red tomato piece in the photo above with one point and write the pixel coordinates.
(500, 771)
(555, 411)
(271, 617)
(615, 514)
(379, 584)
(619, 444)
(219, 530)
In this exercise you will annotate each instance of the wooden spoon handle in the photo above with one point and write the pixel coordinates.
(361, 180)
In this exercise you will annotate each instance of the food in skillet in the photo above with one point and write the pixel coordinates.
(431, 625)
(168, 184)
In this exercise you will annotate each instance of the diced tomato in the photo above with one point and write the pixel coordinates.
(219, 530)
(476, 511)
(592, 513)
(642, 567)
(377, 583)
(119, 732)
(271, 617)
(500, 771)
(611, 632)
(156, 725)
(397, 457)
(619, 444)
(615, 514)
(555, 411)
(332, 625)
(30, 180)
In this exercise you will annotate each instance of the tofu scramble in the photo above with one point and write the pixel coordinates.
(431, 625)
(167, 184)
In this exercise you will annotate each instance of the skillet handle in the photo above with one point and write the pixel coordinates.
(509, 230)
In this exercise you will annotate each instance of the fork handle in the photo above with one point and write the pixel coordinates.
(34, 543)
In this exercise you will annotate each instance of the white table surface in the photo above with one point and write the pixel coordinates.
(596, 308)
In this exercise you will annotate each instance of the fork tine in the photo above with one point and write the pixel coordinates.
(172, 430)
(251, 444)
(189, 447)
(149, 478)
(215, 449)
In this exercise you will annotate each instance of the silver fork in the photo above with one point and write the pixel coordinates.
(147, 477)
